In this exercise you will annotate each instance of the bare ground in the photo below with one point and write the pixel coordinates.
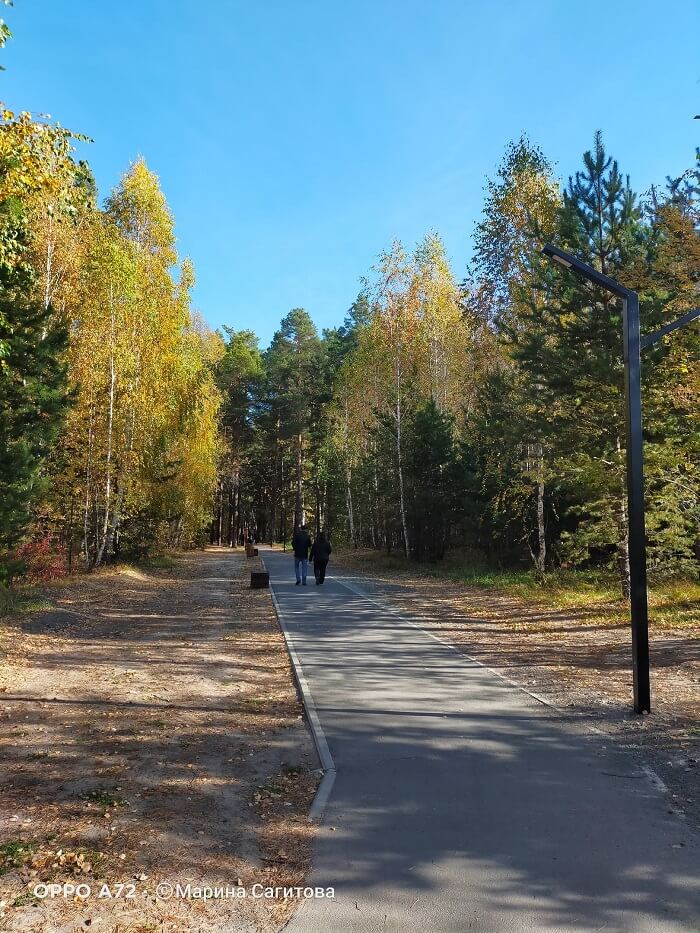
(151, 731)
(569, 658)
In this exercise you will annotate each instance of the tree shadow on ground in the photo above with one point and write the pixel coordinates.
(453, 785)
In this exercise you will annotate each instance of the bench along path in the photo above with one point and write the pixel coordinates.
(462, 803)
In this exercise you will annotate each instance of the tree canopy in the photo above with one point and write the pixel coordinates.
(485, 416)
(490, 416)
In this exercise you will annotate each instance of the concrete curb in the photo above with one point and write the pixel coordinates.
(324, 755)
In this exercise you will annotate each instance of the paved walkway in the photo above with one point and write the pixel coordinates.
(461, 803)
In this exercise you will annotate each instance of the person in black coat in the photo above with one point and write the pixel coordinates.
(320, 553)
(301, 542)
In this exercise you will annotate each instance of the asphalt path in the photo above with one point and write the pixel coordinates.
(462, 803)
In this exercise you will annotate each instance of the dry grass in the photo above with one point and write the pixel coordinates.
(674, 602)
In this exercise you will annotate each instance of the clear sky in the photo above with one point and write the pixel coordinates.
(294, 139)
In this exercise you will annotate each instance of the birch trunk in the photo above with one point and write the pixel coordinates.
(399, 459)
(541, 529)
(88, 486)
(541, 537)
(623, 549)
(49, 263)
(348, 505)
(102, 538)
(113, 524)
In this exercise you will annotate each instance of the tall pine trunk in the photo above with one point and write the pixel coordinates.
(299, 501)
(229, 512)
(237, 517)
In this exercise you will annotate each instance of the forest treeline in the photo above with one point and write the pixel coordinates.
(484, 413)
(480, 411)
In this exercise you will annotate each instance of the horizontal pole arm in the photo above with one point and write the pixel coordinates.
(649, 339)
(587, 272)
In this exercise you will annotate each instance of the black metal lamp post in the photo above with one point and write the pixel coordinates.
(632, 344)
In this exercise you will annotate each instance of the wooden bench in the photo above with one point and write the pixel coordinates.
(259, 579)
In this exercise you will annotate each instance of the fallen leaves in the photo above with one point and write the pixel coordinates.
(156, 777)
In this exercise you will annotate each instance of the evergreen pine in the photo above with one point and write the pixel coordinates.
(571, 350)
(33, 395)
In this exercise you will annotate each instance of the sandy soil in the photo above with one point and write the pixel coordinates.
(150, 731)
(567, 658)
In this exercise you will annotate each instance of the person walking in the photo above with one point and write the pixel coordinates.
(320, 552)
(301, 542)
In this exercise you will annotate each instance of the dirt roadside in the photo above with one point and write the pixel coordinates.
(151, 732)
(576, 664)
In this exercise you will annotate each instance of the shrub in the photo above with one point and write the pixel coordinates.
(43, 560)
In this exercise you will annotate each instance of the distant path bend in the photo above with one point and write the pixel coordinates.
(460, 802)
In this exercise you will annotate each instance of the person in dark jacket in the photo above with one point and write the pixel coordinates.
(320, 553)
(301, 542)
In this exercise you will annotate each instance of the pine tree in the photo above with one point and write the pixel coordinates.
(33, 396)
(293, 369)
(238, 376)
(571, 349)
(430, 475)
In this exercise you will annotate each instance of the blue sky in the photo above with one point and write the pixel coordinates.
(294, 139)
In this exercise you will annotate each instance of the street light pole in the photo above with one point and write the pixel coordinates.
(632, 345)
(636, 537)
